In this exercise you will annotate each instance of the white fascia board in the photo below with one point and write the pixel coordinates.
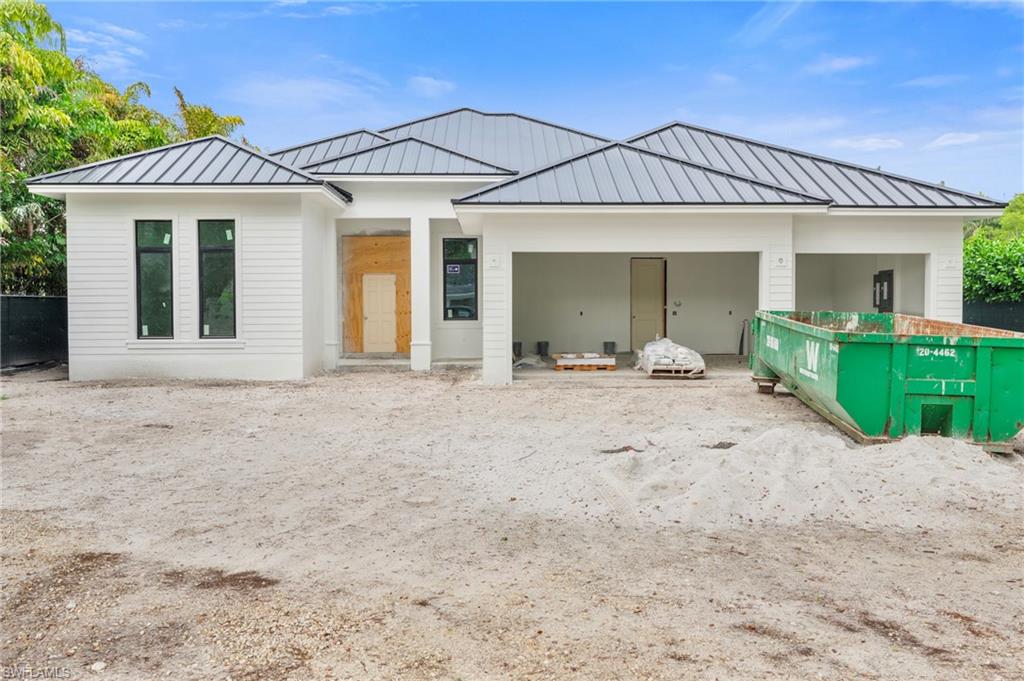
(414, 178)
(965, 212)
(471, 209)
(59, 191)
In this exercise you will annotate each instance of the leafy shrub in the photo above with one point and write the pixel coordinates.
(994, 270)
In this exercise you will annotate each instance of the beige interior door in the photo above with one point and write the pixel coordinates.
(646, 300)
(379, 318)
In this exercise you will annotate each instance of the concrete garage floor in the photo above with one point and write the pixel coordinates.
(718, 367)
(389, 525)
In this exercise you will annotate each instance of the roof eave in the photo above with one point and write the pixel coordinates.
(786, 208)
(910, 211)
(60, 191)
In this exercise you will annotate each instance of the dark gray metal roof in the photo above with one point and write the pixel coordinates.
(846, 184)
(507, 140)
(309, 153)
(210, 160)
(407, 156)
(621, 174)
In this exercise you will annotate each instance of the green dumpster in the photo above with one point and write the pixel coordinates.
(882, 376)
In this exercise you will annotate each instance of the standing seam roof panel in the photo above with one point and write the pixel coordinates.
(603, 179)
(202, 160)
(622, 174)
(624, 184)
(681, 181)
(642, 177)
(845, 183)
(660, 178)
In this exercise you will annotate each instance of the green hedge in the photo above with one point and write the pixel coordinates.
(994, 270)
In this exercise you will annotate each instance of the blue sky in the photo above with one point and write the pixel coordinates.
(926, 89)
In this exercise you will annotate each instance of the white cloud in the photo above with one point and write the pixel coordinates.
(719, 78)
(950, 139)
(425, 86)
(827, 65)
(798, 126)
(763, 23)
(867, 143)
(178, 24)
(340, 68)
(108, 50)
(272, 103)
(115, 30)
(937, 80)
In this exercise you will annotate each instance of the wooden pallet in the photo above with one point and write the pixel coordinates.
(584, 367)
(668, 371)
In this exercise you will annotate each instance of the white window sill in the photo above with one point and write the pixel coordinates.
(170, 344)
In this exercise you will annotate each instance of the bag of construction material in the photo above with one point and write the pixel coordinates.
(664, 353)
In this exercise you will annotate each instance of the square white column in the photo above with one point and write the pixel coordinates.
(496, 306)
(944, 284)
(419, 275)
(777, 290)
(330, 288)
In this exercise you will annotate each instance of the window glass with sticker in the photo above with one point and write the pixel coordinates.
(460, 284)
(154, 297)
(217, 278)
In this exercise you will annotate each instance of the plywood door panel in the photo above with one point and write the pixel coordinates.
(646, 300)
(379, 313)
(375, 255)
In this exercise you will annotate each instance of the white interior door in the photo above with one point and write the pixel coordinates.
(379, 318)
(646, 300)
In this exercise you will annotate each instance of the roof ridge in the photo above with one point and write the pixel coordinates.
(324, 139)
(496, 113)
(269, 159)
(347, 196)
(633, 147)
(408, 139)
(816, 157)
(134, 154)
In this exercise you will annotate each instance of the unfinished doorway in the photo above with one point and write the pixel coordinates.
(379, 318)
(646, 300)
(374, 255)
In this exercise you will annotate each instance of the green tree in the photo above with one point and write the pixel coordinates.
(199, 120)
(56, 113)
(994, 270)
(1010, 225)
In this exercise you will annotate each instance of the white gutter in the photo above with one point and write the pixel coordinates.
(474, 209)
(414, 178)
(58, 191)
(959, 211)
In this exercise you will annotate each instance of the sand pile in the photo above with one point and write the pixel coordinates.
(795, 474)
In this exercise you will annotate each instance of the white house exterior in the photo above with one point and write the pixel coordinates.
(452, 236)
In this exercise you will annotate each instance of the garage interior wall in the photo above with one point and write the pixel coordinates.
(578, 300)
(844, 281)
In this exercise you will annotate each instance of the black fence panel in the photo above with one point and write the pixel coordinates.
(33, 329)
(1008, 316)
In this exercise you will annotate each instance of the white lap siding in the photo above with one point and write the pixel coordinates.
(102, 335)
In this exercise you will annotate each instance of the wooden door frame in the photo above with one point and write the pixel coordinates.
(664, 294)
(367, 254)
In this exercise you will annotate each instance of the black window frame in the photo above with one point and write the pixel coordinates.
(139, 250)
(475, 261)
(221, 248)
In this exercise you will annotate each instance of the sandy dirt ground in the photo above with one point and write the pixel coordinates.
(385, 525)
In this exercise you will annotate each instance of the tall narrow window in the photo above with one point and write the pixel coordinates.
(153, 295)
(460, 279)
(216, 278)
